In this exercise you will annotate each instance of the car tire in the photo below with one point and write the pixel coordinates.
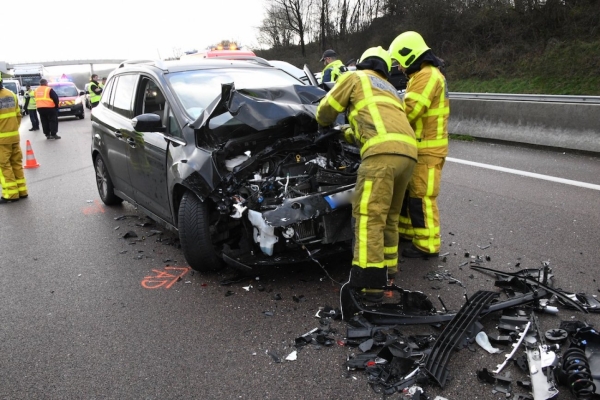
(106, 190)
(81, 116)
(194, 234)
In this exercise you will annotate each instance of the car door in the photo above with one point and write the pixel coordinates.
(112, 117)
(147, 153)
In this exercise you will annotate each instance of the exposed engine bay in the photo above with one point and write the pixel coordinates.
(281, 183)
(294, 198)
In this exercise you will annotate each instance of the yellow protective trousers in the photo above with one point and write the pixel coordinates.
(12, 178)
(420, 216)
(380, 187)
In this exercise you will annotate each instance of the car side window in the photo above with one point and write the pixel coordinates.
(123, 96)
(173, 126)
(105, 100)
(150, 99)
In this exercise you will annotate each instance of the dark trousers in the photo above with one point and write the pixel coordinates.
(49, 119)
(33, 117)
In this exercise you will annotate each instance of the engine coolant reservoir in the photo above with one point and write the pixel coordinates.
(264, 234)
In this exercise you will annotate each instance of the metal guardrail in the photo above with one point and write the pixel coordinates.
(526, 97)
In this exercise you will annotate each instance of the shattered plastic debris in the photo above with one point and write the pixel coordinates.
(268, 313)
(277, 296)
(274, 356)
(483, 341)
(229, 293)
(122, 217)
(293, 356)
(329, 312)
(129, 234)
(235, 279)
(145, 224)
(247, 288)
(366, 345)
(299, 298)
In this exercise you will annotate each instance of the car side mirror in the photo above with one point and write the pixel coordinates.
(147, 123)
(81, 93)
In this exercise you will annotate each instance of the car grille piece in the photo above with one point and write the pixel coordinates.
(305, 230)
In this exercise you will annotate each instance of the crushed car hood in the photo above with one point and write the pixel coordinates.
(263, 109)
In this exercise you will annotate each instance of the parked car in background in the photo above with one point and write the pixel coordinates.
(70, 99)
(228, 154)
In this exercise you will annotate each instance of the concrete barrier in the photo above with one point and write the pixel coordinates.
(563, 125)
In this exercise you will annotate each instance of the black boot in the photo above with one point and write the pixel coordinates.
(413, 252)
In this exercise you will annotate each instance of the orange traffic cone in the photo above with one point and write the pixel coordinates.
(30, 161)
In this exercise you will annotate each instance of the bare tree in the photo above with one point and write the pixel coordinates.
(296, 16)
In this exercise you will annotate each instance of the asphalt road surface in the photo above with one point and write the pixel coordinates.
(87, 314)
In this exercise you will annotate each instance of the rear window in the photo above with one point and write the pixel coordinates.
(197, 89)
(65, 90)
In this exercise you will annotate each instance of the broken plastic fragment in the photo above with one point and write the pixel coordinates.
(247, 288)
(483, 341)
(229, 293)
(293, 356)
(274, 356)
(130, 234)
(366, 345)
(277, 296)
(268, 313)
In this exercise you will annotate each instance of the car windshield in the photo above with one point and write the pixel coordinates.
(11, 86)
(65, 90)
(197, 89)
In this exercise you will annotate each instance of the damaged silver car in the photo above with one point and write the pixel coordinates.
(229, 154)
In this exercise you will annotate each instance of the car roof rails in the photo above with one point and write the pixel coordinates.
(156, 63)
(259, 60)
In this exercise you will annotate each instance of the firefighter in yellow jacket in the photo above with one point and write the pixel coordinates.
(12, 178)
(427, 108)
(378, 126)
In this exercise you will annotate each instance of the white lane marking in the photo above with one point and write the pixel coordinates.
(525, 173)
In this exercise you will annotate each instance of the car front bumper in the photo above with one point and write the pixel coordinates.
(71, 110)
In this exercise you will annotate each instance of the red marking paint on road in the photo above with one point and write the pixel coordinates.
(96, 208)
(165, 278)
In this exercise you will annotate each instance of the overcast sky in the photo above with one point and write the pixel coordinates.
(123, 29)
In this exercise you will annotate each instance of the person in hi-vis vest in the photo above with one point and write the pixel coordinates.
(94, 90)
(46, 101)
(388, 150)
(31, 108)
(427, 108)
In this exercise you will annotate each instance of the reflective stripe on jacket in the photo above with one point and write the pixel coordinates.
(376, 114)
(10, 117)
(42, 97)
(428, 109)
(337, 68)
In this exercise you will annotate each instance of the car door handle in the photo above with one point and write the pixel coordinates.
(131, 142)
(118, 133)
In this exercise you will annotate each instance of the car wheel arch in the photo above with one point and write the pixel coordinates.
(179, 190)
